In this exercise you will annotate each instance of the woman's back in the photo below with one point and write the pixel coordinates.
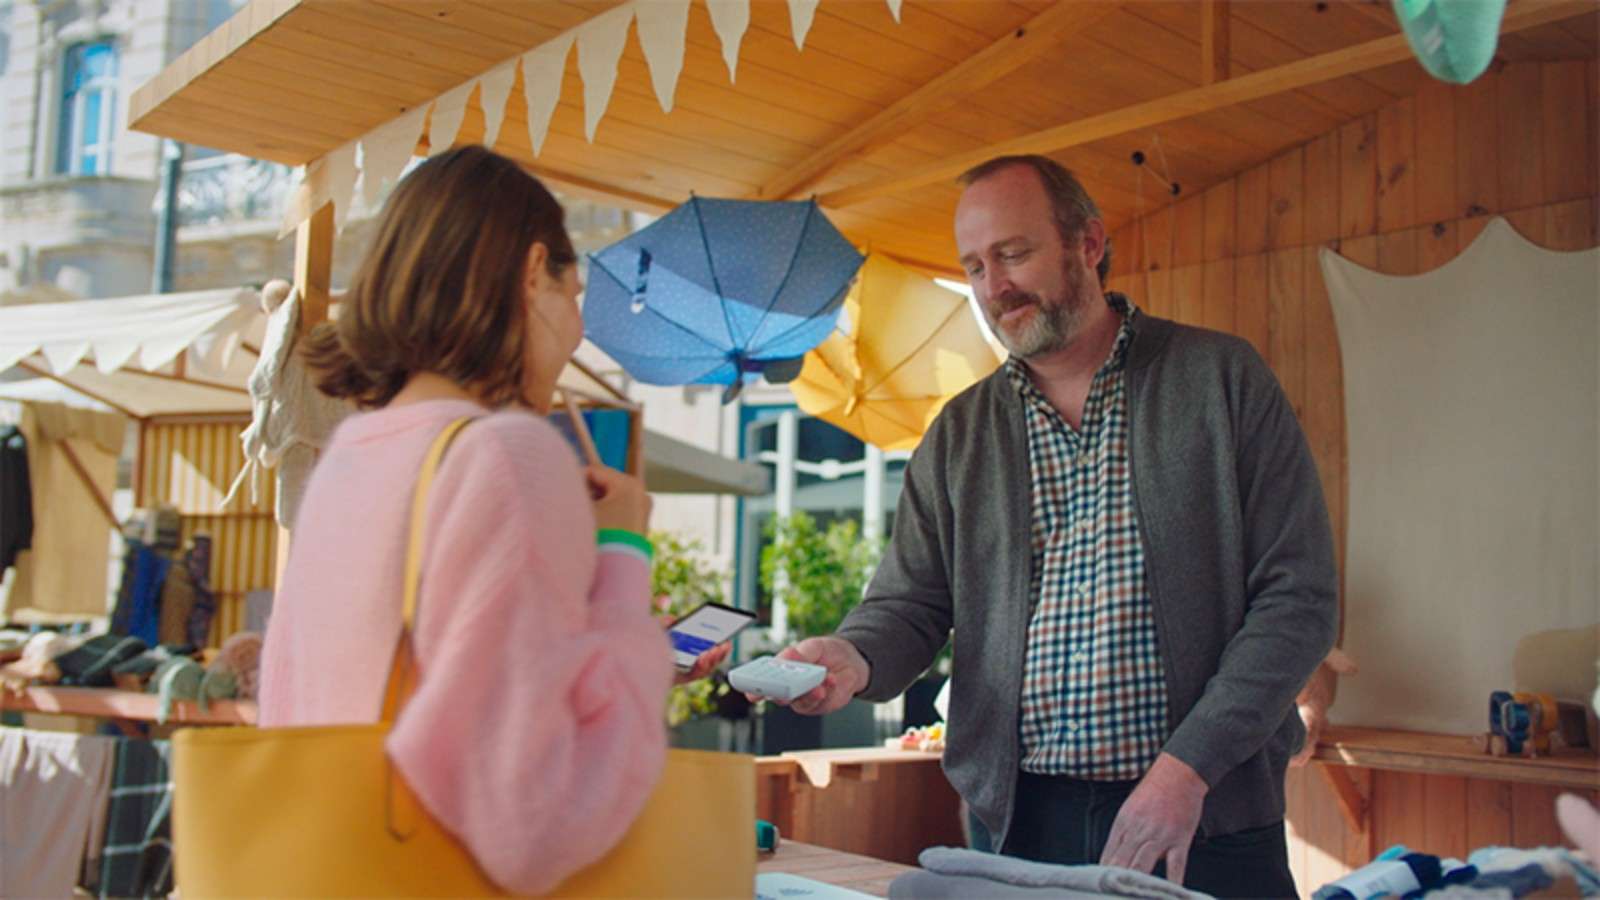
(535, 732)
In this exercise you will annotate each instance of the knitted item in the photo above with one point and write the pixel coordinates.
(1117, 882)
(240, 656)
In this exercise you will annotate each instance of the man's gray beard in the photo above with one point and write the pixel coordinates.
(1051, 329)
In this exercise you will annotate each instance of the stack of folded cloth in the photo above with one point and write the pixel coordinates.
(949, 873)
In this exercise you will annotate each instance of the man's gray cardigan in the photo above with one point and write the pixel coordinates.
(1238, 551)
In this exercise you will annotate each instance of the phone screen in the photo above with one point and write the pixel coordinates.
(709, 625)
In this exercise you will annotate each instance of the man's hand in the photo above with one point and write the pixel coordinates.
(1158, 820)
(1316, 697)
(848, 674)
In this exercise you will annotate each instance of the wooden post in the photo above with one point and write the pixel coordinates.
(1213, 41)
(313, 277)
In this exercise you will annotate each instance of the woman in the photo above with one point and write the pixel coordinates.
(536, 729)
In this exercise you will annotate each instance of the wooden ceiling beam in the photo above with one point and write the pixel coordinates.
(1214, 16)
(1185, 104)
(1010, 52)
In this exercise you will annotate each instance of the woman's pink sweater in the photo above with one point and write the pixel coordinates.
(536, 731)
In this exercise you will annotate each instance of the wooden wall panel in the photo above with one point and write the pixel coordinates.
(1251, 312)
(1520, 128)
(1436, 153)
(1286, 216)
(1253, 200)
(1358, 177)
(1322, 189)
(1397, 177)
(1404, 191)
(1220, 222)
(1477, 167)
(1218, 310)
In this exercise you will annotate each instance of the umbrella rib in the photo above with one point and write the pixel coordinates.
(711, 267)
(799, 242)
(658, 313)
(918, 349)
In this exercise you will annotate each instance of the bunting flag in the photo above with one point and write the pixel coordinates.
(385, 150)
(542, 68)
(730, 18)
(663, 31)
(378, 157)
(600, 42)
(801, 14)
(448, 111)
(494, 91)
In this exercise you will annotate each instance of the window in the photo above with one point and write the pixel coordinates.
(88, 104)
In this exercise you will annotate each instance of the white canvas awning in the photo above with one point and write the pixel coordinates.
(191, 354)
(148, 356)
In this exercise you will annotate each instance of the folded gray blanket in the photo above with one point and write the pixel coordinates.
(952, 872)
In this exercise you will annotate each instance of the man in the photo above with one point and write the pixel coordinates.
(1124, 527)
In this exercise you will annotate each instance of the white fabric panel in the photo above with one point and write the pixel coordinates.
(1474, 473)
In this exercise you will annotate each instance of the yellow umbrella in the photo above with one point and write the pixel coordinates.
(913, 345)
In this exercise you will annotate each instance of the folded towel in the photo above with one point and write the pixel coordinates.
(1107, 880)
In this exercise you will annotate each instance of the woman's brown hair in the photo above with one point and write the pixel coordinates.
(441, 289)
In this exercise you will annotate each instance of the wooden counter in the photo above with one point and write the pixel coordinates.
(846, 870)
(1446, 754)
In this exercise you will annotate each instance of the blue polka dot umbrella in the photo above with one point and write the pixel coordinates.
(720, 292)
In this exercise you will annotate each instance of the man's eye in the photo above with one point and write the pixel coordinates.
(1013, 255)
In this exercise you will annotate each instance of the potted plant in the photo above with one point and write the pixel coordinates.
(825, 571)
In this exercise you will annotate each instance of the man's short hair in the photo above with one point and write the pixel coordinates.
(1071, 204)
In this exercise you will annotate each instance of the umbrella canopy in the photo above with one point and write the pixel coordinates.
(719, 292)
(913, 345)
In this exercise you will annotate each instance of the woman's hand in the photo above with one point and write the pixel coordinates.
(704, 665)
(620, 500)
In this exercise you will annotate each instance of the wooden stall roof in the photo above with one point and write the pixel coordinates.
(873, 117)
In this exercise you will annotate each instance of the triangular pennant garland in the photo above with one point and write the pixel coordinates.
(662, 29)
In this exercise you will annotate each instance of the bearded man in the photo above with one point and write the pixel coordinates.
(1125, 530)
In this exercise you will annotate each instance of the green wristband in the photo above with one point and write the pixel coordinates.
(624, 541)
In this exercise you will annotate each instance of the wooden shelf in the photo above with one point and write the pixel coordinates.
(107, 703)
(1448, 754)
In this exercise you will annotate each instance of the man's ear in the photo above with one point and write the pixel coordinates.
(1092, 243)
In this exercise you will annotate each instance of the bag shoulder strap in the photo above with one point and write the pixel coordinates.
(402, 669)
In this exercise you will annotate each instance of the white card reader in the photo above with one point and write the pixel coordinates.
(779, 679)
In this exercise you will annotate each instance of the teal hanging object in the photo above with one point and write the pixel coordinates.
(1453, 39)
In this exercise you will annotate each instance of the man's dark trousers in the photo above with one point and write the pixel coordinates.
(1067, 821)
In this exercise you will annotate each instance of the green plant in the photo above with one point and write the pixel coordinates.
(681, 579)
(827, 570)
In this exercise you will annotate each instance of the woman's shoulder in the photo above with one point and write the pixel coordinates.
(514, 443)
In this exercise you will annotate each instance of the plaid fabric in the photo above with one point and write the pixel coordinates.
(1094, 695)
(137, 858)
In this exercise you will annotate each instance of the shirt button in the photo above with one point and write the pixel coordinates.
(1082, 592)
(1073, 726)
(1079, 656)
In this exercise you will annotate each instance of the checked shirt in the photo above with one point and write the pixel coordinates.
(1094, 694)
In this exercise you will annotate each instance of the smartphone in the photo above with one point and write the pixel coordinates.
(707, 626)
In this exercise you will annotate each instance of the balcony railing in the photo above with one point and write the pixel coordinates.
(232, 189)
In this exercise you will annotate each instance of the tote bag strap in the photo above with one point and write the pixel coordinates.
(402, 669)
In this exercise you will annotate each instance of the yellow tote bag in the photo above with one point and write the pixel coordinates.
(320, 812)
